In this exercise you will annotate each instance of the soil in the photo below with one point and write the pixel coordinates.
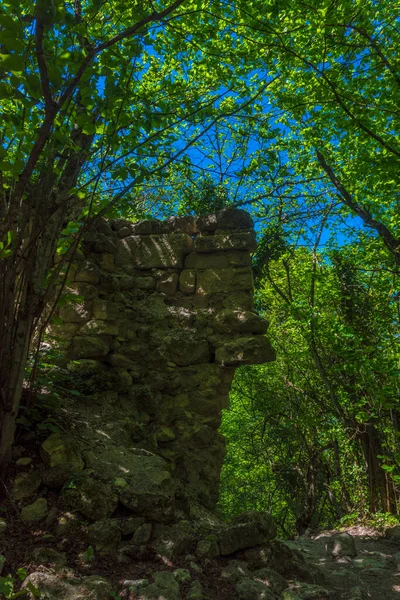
(375, 569)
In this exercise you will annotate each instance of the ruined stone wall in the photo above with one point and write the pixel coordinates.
(163, 316)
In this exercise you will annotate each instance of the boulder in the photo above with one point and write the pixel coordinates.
(58, 449)
(306, 591)
(88, 346)
(36, 511)
(172, 540)
(218, 260)
(94, 499)
(25, 484)
(238, 321)
(208, 547)
(393, 533)
(227, 218)
(272, 579)
(341, 544)
(149, 487)
(247, 530)
(196, 591)
(142, 534)
(236, 571)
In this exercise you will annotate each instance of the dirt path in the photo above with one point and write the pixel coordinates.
(375, 569)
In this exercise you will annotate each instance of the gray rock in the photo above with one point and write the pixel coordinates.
(167, 583)
(341, 544)
(393, 533)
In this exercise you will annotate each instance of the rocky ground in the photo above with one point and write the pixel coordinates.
(373, 574)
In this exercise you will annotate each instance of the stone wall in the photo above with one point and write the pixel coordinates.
(163, 315)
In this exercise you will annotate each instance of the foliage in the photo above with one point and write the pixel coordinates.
(7, 586)
(314, 436)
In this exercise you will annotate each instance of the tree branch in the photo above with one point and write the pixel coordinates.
(391, 242)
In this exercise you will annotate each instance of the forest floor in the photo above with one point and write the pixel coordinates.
(375, 569)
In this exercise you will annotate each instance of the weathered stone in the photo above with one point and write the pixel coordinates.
(104, 246)
(149, 489)
(263, 521)
(196, 591)
(182, 575)
(143, 534)
(94, 499)
(48, 557)
(245, 351)
(36, 511)
(57, 450)
(218, 260)
(89, 346)
(172, 540)
(231, 321)
(104, 309)
(87, 273)
(168, 283)
(272, 579)
(187, 281)
(26, 484)
(146, 227)
(341, 544)
(104, 535)
(167, 582)
(181, 224)
(238, 536)
(227, 218)
(75, 313)
(98, 327)
(208, 547)
(236, 571)
(244, 240)
(145, 283)
(119, 361)
(52, 587)
(185, 349)
(153, 251)
(215, 281)
(247, 589)
(130, 524)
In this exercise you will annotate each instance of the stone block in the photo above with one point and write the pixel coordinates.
(25, 484)
(105, 310)
(145, 283)
(243, 240)
(245, 351)
(186, 350)
(227, 218)
(36, 511)
(99, 327)
(87, 272)
(185, 224)
(107, 262)
(153, 251)
(75, 313)
(218, 260)
(89, 346)
(239, 536)
(241, 321)
(187, 281)
(214, 281)
(168, 283)
(105, 245)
